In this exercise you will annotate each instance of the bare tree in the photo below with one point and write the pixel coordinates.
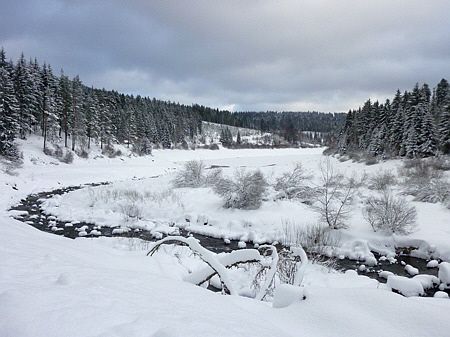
(292, 184)
(382, 180)
(391, 214)
(335, 196)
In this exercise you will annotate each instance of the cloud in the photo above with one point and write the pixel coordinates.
(251, 55)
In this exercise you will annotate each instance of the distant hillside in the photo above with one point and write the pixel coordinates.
(289, 125)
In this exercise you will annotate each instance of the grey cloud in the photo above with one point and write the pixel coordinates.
(256, 54)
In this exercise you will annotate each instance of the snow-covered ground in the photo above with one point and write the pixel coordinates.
(54, 286)
(200, 210)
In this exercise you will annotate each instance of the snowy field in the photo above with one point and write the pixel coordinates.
(54, 286)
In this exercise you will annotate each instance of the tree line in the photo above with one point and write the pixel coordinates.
(35, 100)
(288, 124)
(414, 124)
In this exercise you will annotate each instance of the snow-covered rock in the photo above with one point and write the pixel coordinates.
(286, 294)
(411, 270)
(427, 281)
(405, 286)
(242, 244)
(433, 264)
(120, 230)
(385, 274)
(440, 294)
(444, 272)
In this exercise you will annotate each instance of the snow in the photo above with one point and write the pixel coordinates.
(411, 270)
(440, 294)
(405, 286)
(444, 272)
(385, 274)
(427, 281)
(286, 294)
(54, 286)
(433, 264)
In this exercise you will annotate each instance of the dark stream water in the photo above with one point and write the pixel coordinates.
(36, 217)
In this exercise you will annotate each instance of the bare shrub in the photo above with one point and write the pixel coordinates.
(437, 190)
(58, 153)
(440, 163)
(371, 160)
(382, 180)
(68, 157)
(334, 196)
(142, 147)
(11, 160)
(213, 177)
(390, 214)
(313, 238)
(213, 146)
(244, 191)
(425, 181)
(48, 151)
(110, 151)
(191, 175)
(131, 211)
(291, 184)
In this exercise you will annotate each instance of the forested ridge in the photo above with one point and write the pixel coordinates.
(414, 124)
(36, 100)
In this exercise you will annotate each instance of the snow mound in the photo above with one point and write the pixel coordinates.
(433, 264)
(427, 281)
(440, 294)
(411, 270)
(287, 294)
(385, 274)
(405, 286)
(444, 272)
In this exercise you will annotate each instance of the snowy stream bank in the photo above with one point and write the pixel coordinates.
(29, 211)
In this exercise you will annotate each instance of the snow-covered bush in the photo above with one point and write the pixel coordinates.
(441, 163)
(425, 182)
(110, 151)
(67, 157)
(437, 190)
(143, 147)
(391, 214)
(334, 196)
(213, 177)
(245, 191)
(291, 184)
(131, 211)
(191, 175)
(382, 180)
(313, 238)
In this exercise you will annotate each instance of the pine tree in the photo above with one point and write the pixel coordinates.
(65, 106)
(444, 128)
(77, 123)
(238, 138)
(8, 110)
(427, 140)
(90, 110)
(49, 105)
(24, 87)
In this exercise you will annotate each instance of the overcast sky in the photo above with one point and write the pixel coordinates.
(326, 55)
